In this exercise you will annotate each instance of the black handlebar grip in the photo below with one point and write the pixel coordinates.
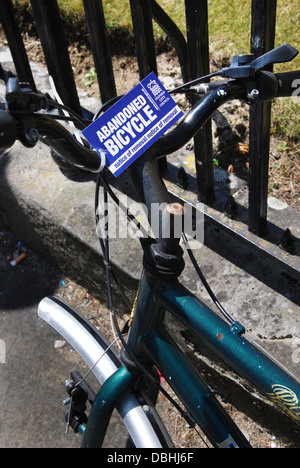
(288, 84)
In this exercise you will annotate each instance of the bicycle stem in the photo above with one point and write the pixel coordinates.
(163, 258)
(151, 189)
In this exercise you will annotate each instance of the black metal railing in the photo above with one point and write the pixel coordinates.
(193, 55)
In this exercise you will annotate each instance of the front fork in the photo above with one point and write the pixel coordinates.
(105, 402)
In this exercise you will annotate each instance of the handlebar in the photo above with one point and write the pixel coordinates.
(197, 117)
(15, 124)
(55, 135)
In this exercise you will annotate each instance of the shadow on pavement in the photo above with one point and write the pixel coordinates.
(26, 283)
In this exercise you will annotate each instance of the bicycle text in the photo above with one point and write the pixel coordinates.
(130, 127)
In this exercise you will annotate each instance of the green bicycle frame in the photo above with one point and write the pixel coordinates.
(227, 341)
(152, 343)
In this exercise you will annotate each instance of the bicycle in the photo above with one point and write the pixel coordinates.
(129, 379)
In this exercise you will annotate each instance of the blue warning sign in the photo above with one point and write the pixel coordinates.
(133, 124)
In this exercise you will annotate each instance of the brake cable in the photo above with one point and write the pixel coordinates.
(104, 245)
(184, 88)
(204, 281)
(109, 272)
(131, 217)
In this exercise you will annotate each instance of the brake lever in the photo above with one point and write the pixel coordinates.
(282, 54)
(20, 97)
(243, 66)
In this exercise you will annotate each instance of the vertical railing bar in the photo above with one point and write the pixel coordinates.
(176, 37)
(198, 53)
(141, 14)
(51, 33)
(100, 47)
(15, 42)
(263, 25)
(144, 38)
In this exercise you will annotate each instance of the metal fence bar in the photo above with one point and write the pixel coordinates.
(51, 33)
(143, 31)
(198, 53)
(15, 42)
(100, 47)
(262, 39)
(176, 37)
(141, 13)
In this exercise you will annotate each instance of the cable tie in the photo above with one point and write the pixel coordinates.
(102, 155)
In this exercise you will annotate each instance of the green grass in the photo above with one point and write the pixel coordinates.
(229, 22)
(285, 118)
(230, 25)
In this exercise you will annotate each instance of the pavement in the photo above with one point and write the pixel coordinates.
(32, 372)
(54, 215)
(34, 360)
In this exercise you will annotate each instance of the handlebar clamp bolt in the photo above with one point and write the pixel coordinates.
(253, 95)
(33, 133)
(32, 136)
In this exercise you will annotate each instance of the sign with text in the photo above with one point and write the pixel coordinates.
(133, 124)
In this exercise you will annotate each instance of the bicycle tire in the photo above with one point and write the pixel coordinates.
(144, 426)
